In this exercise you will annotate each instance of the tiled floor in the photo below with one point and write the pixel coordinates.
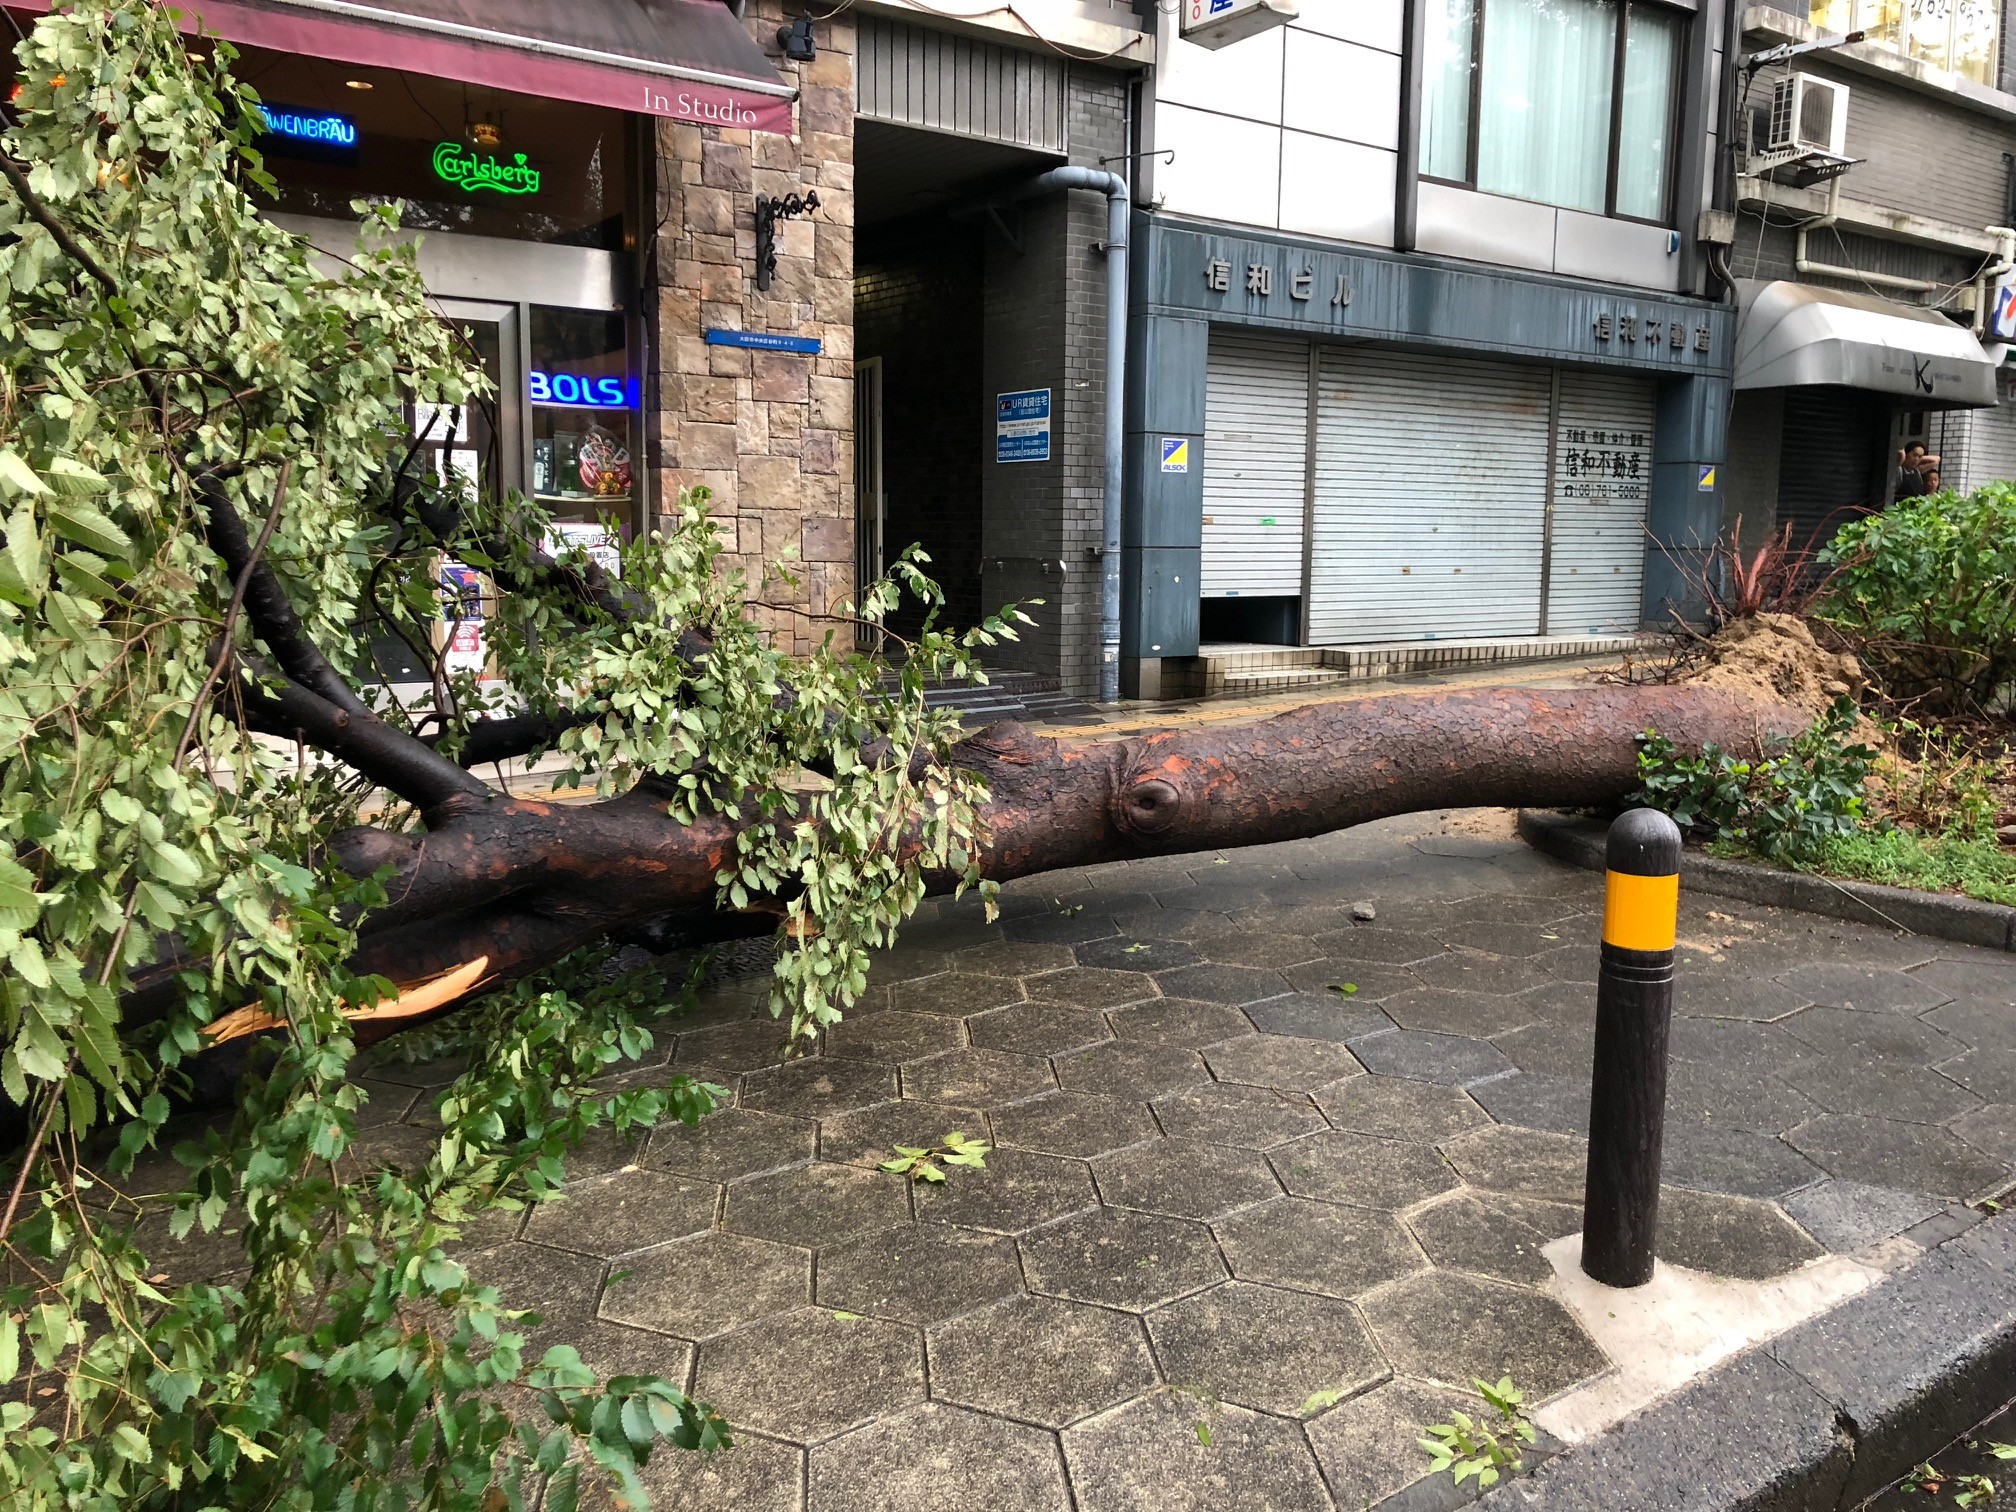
(1248, 1149)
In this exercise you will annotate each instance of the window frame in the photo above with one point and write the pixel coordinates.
(1675, 107)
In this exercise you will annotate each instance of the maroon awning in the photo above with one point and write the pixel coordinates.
(689, 60)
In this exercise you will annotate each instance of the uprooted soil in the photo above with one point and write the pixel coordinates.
(1774, 658)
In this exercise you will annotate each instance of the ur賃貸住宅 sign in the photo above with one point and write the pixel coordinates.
(577, 391)
(315, 128)
(470, 170)
(1022, 426)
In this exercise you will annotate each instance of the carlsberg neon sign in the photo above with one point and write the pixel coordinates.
(469, 170)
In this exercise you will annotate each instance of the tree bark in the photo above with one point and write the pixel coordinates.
(518, 883)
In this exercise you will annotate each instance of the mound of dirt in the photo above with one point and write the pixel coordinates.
(1773, 657)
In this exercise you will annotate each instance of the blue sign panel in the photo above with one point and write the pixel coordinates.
(575, 391)
(320, 127)
(1022, 426)
(1175, 454)
(763, 341)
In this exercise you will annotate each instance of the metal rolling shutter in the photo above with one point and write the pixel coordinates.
(1431, 495)
(1602, 485)
(1256, 421)
(1835, 444)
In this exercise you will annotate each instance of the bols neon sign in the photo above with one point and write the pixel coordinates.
(470, 170)
(575, 391)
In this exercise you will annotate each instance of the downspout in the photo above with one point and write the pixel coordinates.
(1118, 209)
(1805, 264)
(1407, 166)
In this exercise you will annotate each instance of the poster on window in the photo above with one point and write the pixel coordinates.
(602, 545)
(462, 606)
(1604, 463)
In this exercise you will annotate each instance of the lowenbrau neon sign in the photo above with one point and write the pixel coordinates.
(324, 128)
(469, 170)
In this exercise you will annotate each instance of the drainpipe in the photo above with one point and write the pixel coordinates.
(1833, 270)
(1114, 187)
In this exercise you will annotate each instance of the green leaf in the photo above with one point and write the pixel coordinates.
(18, 475)
(129, 1443)
(1204, 1433)
(90, 528)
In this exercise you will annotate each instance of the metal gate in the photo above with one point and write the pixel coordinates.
(1602, 486)
(1256, 426)
(1430, 497)
(1832, 459)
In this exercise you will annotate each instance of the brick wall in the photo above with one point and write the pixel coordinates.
(770, 433)
(917, 307)
(1045, 319)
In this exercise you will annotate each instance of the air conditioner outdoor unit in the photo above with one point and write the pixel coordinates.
(1808, 115)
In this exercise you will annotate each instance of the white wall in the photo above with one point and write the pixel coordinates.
(1292, 130)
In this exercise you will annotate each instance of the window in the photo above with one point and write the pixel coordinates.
(1956, 35)
(1568, 102)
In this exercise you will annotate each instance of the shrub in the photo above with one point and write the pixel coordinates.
(1783, 806)
(1927, 588)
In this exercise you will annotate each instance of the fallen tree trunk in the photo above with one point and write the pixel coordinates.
(515, 884)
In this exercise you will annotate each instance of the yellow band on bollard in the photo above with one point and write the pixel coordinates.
(1640, 913)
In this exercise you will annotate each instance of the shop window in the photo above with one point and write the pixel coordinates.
(583, 414)
(1568, 102)
(1959, 36)
(460, 157)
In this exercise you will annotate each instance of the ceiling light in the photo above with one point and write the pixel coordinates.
(357, 84)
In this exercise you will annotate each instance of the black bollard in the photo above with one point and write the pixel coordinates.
(1634, 1014)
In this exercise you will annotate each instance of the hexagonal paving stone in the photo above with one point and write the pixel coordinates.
(731, 1143)
(1151, 1453)
(1871, 988)
(918, 1273)
(1060, 928)
(1124, 954)
(1448, 1058)
(1983, 1026)
(1730, 1042)
(1522, 1161)
(1451, 1327)
(1012, 958)
(1853, 1083)
(1975, 979)
(1473, 971)
(1446, 1010)
(1354, 1440)
(1507, 938)
(1741, 1162)
(1317, 1016)
(1132, 1070)
(818, 1088)
(701, 1287)
(1991, 1130)
(956, 995)
(1989, 1074)
(1554, 1049)
(1017, 1191)
(1038, 1029)
(1092, 987)
(978, 1078)
(1372, 942)
(1730, 1236)
(755, 1475)
(1317, 1246)
(630, 1210)
(1069, 1123)
(1491, 1234)
(1180, 1021)
(1254, 1118)
(1877, 1036)
(1222, 984)
(870, 1137)
(1727, 994)
(1400, 1109)
(1910, 1157)
(1254, 947)
(749, 1046)
(1279, 1060)
(1359, 1169)
(1039, 1359)
(1847, 1216)
(1375, 983)
(1184, 1178)
(893, 1037)
(1264, 1348)
(940, 1459)
(816, 1204)
(1556, 1103)
(1508, 908)
(1132, 1261)
(1742, 1096)
(807, 1375)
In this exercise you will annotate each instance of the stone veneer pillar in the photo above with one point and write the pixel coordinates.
(770, 433)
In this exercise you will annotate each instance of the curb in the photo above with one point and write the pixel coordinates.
(1966, 921)
(1821, 1417)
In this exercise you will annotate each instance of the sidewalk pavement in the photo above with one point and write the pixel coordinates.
(1271, 1182)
